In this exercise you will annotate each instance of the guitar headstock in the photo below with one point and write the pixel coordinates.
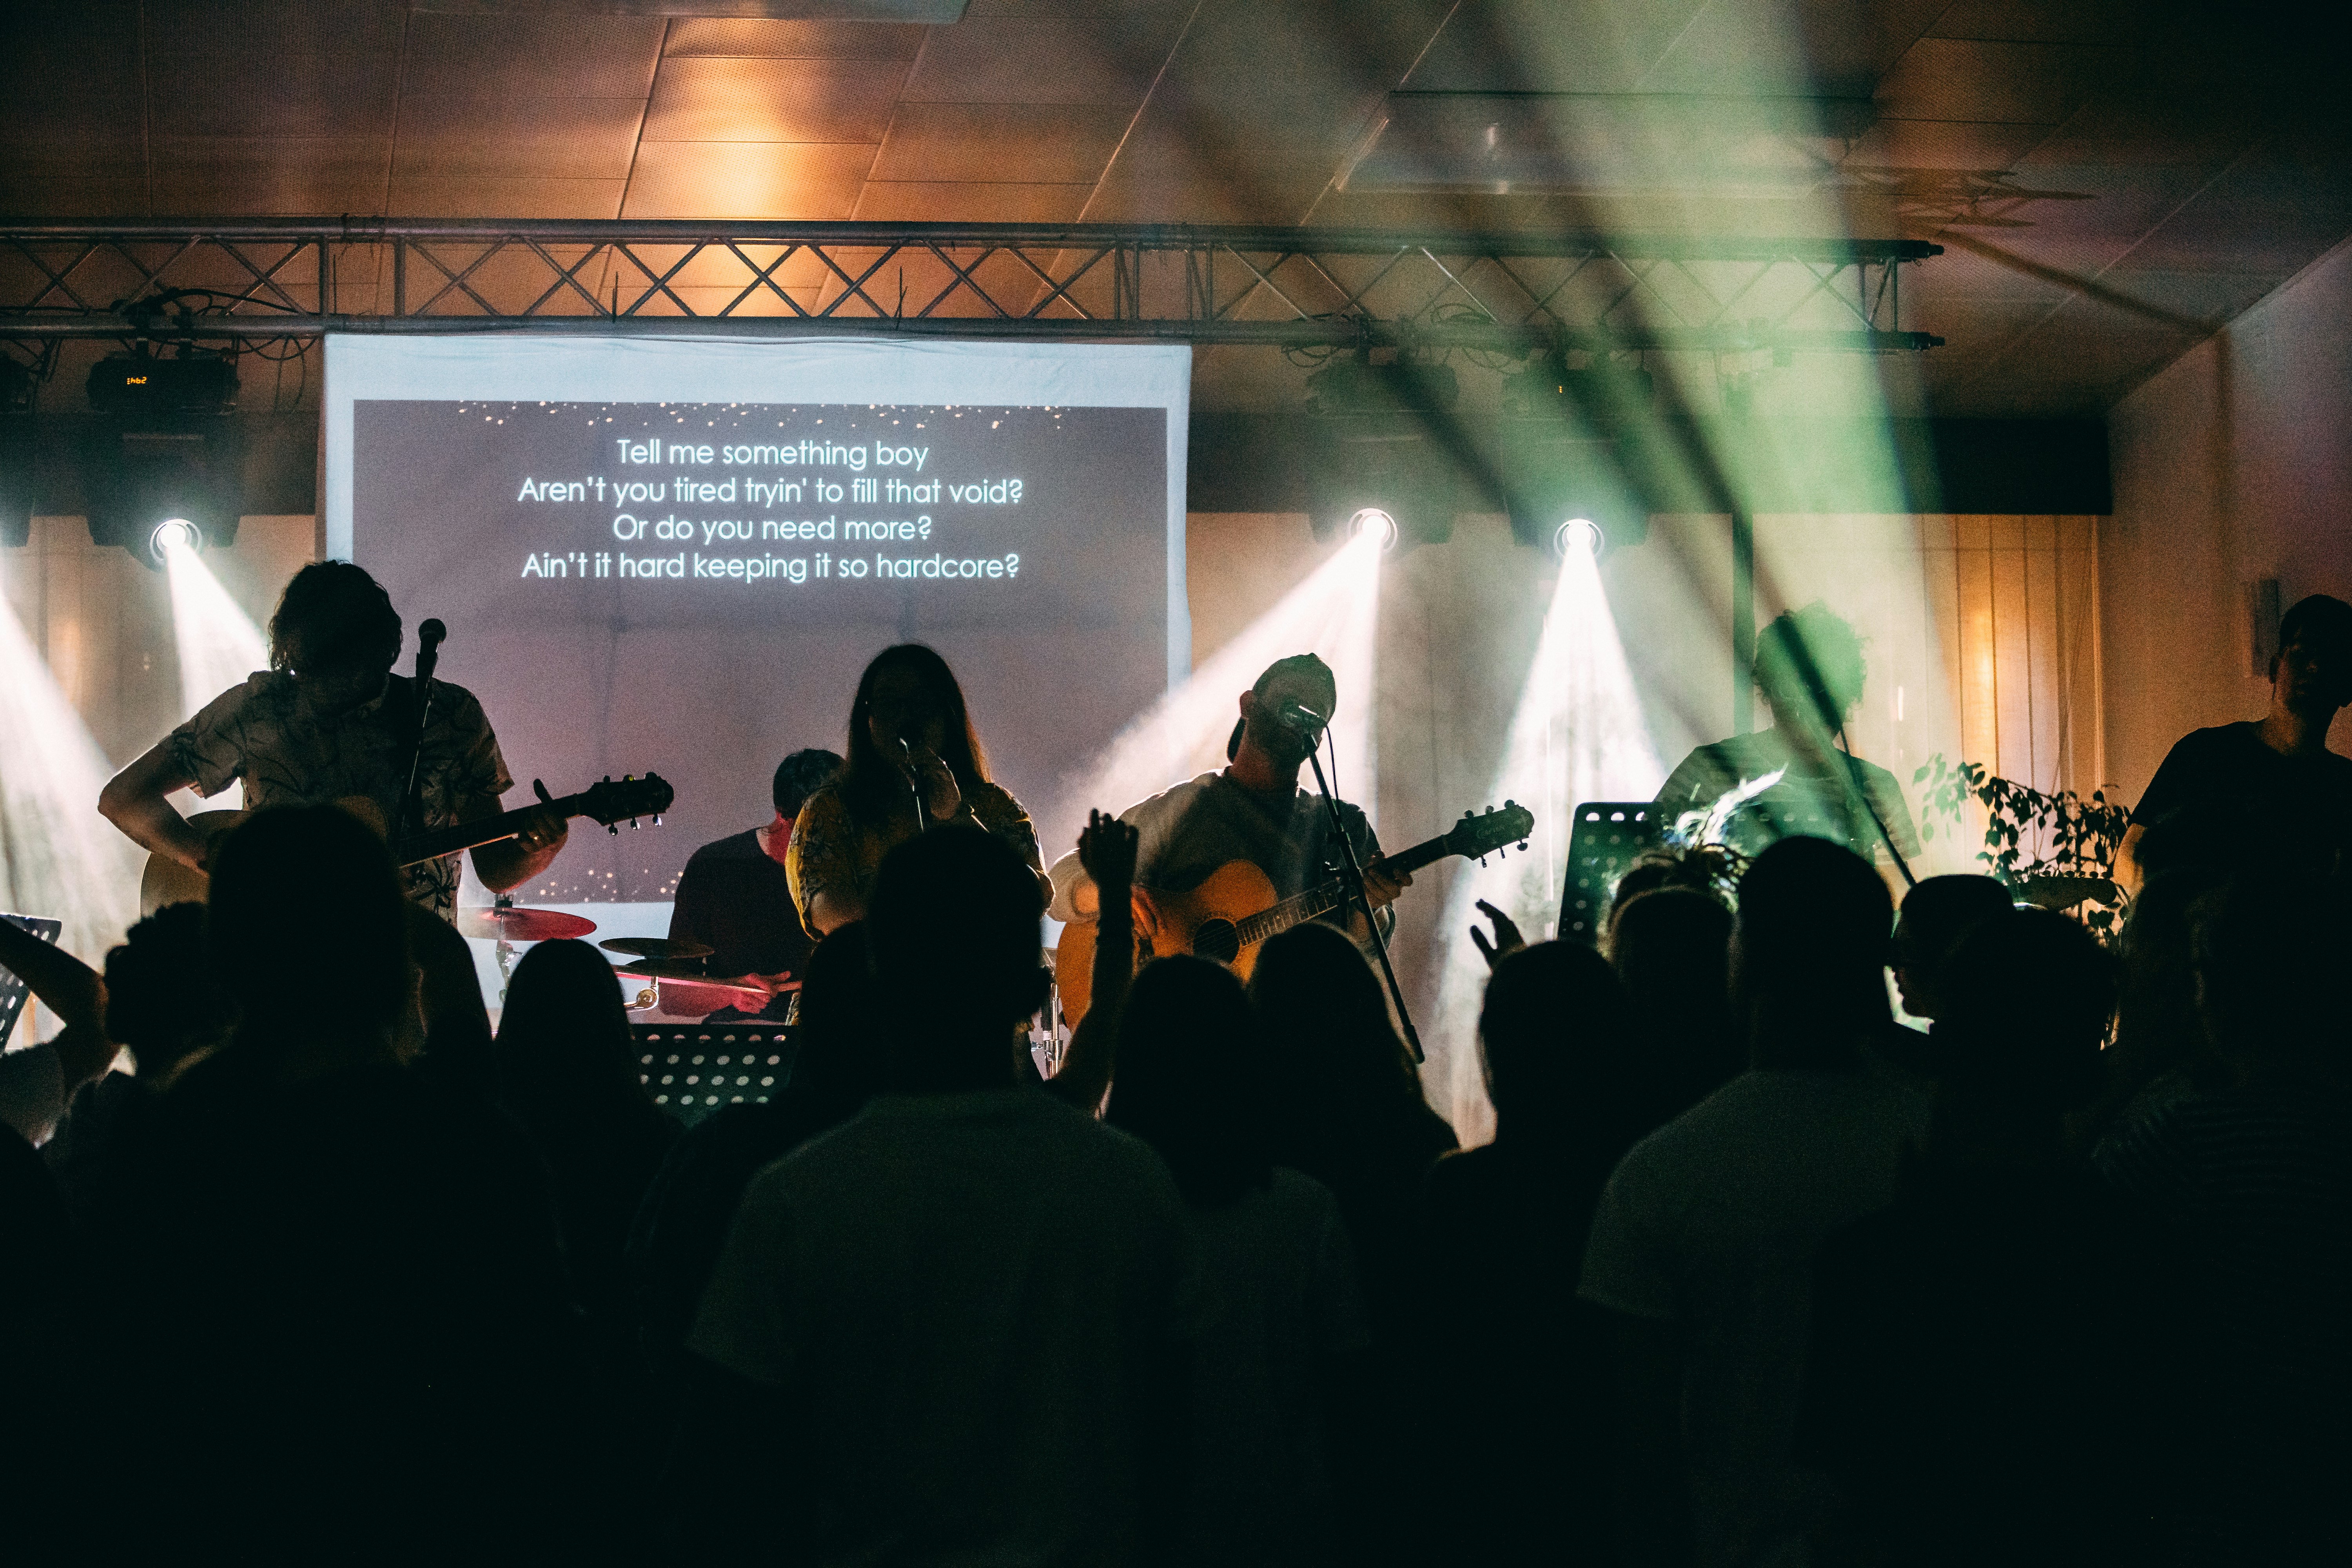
(1491, 830)
(629, 797)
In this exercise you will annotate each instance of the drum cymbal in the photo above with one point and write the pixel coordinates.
(510, 924)
(654, 947)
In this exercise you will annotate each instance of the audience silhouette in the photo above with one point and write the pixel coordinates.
(1525, 1372)
(1282, 1324)
(330, 1287)
(955, 1328)
(1746, 1274)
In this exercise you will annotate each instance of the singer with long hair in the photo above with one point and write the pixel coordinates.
(914, 760)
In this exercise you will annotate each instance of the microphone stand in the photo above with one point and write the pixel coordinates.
(1352, 876)
(429, 637)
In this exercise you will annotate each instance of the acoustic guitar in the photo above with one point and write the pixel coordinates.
(166, 881)
(1230, 914)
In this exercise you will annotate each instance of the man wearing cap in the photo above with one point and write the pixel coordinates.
(2237, 787)
(1253, 811)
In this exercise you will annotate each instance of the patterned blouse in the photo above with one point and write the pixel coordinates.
(290, 752)
(833, 852)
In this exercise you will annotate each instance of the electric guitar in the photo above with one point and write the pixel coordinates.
(166, 881)
(1230, 914)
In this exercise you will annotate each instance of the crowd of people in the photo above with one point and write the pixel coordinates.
(1750, 1273)
(1963, 1296)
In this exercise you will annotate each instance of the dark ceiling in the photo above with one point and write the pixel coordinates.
(2111, 181)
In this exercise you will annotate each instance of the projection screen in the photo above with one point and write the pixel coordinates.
(676, 554)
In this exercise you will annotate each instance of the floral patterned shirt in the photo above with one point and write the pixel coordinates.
(291, 751)
(833, 852)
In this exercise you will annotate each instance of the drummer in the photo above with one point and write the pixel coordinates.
(735, 900)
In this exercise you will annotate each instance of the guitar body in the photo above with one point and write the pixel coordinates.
(1235, 909)
(1201, 923)
(166, 881)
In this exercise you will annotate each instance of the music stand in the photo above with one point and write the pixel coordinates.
(1606, 838)
(692, 1069)
(13, 993)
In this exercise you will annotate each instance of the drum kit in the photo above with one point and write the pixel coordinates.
(648, 957)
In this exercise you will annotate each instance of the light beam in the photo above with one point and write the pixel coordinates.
(57, 855)
(1335, 614)
(218, 644)
(1578, 734)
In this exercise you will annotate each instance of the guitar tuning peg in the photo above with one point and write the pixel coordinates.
(1523, 842)
(633, 825)
(1482, 859)
(1510, 805)
(614, 828)
(657, 816)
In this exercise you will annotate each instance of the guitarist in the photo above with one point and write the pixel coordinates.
(1254, 811)
(328, 720)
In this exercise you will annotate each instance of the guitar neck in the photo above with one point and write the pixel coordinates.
(459, 836)
(1319, 901)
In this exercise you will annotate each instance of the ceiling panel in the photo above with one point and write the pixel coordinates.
(36, 196)
(1091, 62)
(258, 175)
(273, 26)
(982, 10)
(731, 98)
(577, 137)
(1956, 78)
(416, 196)
(1945, 145)
(1024, 143)
(481, 57)
(272, 95)
(807, 180)
(2042, 21)
(1549, 46)
(804, 40)
(916, 201)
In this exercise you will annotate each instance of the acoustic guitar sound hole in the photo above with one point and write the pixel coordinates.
(1217, 938)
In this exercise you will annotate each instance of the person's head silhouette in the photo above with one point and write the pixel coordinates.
(306, 924)
(1808, 954)
(1187, 1021)
(954, 936)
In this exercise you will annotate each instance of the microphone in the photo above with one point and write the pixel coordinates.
(1300, 720)
(430, 635)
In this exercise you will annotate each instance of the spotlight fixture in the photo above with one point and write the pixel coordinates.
(172, 531)
(1578, 534)
(1373, 517)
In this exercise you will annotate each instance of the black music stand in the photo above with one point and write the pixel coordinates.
(690, 1071)
(13, 991)
(1607, 835)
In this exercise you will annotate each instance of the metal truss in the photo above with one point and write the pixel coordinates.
(248, 279)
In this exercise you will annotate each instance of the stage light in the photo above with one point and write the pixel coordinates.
(174, 533)
(1579, 535)
(139, 482)
(1372, 520)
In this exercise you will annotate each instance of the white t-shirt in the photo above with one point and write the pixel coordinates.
(956, 1291)
(1281, 1298)
(1712, 1222)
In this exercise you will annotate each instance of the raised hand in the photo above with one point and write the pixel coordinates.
(1107, 850)
(1507, 939)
